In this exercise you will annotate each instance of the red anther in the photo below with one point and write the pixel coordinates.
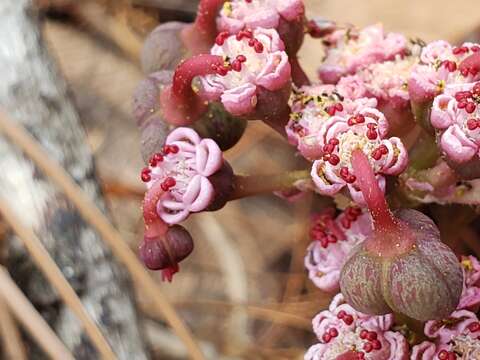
(473, 71)
(451, 66)
(363, 334)
(157, 157)
(251, 42)
(443, 355)
(351, 121)
(170, 182)
(236, 66)
(462, 104)
(341, 314)
(475, 48)
(339, 107)
(371, 134)
(471, 124)
(361, 356)
(476, 89)
(470, 107)
(331, 110)
(474, 327)
(324, 242)
(377, 345)
(465, 71)
(222, 71)
(174, 149)
(333, 332)
(332, 239)
(459, 50)
(328, 148)
(241, 58)
(351, 179)
(220, 39)
(326, 337)
(334, 141)
(372, 335)
(376, 154)
(348, 319)
(344, 172)
(248, 1)
(334, 160)
(258, 47)
(368, 347)
(145, 176)
(360, 119)
(383, 149)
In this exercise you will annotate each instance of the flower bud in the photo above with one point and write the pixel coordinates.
(163, 48)
(402, 266)
(159, 253)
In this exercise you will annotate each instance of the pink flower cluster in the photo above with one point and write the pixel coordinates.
(237, 15)
(254, 60)
(350, 50)
(183, 168)
(332, 240)
(342, 330)
(442, 64)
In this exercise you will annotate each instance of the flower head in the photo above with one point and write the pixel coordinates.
(333, 239)
(237, 15)
(456, 116)
(254, 60)
(441, 64)
(342, 330)
(350, 50)
(365, 129)
(183, 170)
(312, 107)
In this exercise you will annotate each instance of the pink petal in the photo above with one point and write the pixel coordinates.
(209, 157)
(240, 100)
(199, 194)
(457, 146)
(276, 73)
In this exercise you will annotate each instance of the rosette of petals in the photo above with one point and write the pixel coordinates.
(442, 64)
(364, 129)
(351, 50)
(456, 117)
(333, 238)
(454, 339)
(312, 107)
(237, 15)
(183, 168)
(342, 330)
(254, 60)
(470, 298)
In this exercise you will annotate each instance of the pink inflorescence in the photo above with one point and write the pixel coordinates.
(349, 50)
(456, 116)
(343, 330)
(364, 128)
(253, 60)
(332, 240)
(183, 168)
(442, 64)
(237, 15)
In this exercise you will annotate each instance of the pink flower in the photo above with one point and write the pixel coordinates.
(351, 50)
(253, 61)
(441, 65)
(312, 107)
(456, 116)
(183, 168)
(237, 15)
(333, 238)
(342, 330)
(452, 338)
(470, 298)
(365, 129)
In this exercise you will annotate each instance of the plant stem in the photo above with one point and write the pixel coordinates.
(252, 185)
(373, 195)
(424, 153)
(180, 103)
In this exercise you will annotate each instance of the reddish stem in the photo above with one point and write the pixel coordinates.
(377, 205)
(181, 105)
(200, 36)
(154, 226)
(298, 75)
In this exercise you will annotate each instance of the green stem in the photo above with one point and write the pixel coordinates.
(424, 153)
(251, 185)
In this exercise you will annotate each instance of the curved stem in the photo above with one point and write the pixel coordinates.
(367, 182)
(299, 76)
(181, 105)
(252, 185)
(200, 36)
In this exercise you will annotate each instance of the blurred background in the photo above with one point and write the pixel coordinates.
(243, 292)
